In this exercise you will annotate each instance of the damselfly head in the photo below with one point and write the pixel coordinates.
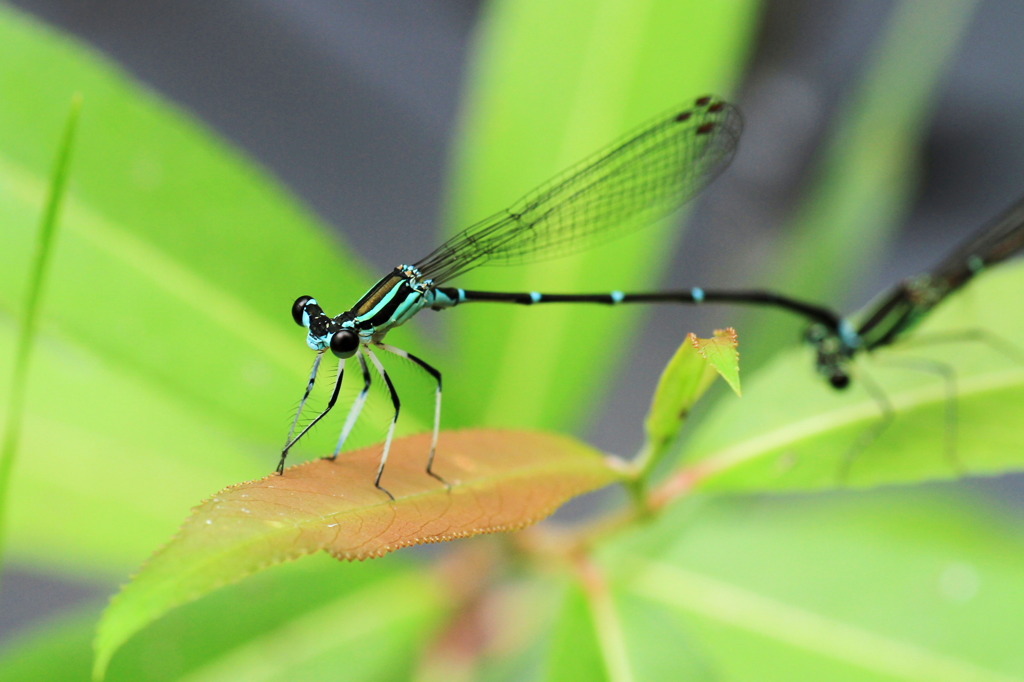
(307, 313)
(833, 353)
(838, 378)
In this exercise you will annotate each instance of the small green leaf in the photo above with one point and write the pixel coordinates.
(31, 310)
(722, 353)
(685, 379)
(500, 481)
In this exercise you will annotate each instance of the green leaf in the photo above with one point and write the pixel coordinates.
(659, 645)
(294, 623)
(575, 652)
(722, 353)
(25, 346)
(606, 634)
(686, 377)
(884, 586)
(166, 323)
(500, 481)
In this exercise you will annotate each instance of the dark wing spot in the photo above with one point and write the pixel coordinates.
(706, 128)
(704, 101)
(716, 107)
(683, 116)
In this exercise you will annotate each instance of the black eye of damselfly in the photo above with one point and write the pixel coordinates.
(344, 343)
(839, 379)
(299, 307)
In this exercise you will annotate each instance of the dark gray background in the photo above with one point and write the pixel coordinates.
(352, 105)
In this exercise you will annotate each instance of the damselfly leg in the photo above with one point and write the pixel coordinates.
(397, 403)
(330, 404)
(887, 413)
(945, 372)
(305, 396)
(356, 408)
(436, 373)
(948, 376)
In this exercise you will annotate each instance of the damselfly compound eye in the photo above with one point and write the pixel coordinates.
(344, 343)
(298, 308)
(839, 380)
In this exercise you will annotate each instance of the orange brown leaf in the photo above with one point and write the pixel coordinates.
(500, 481)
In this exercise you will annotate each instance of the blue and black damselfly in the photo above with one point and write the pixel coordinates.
(837, 340)
(643, 176)
(900, 309)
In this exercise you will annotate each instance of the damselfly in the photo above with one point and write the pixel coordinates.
(901, 308)
(638, 178)
(837, 340)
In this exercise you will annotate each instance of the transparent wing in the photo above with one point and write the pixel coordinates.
(903, 306)
(997, 240)
(633, 181)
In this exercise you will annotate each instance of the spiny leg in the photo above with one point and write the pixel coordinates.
(305, 397)
(999, 344)
(391, 429)
(434, 372)
(888, 412)
(948, 375)
(330, 404)
(1004, 347)
(356, 409)
(872, 434)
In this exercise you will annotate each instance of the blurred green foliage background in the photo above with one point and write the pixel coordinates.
(168, 365)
